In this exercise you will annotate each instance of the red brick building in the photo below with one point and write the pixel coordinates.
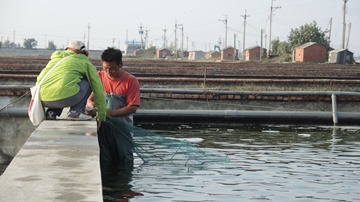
(212, 54)
(253, 53)
(310, 52)
(229, 53)
(163, 53)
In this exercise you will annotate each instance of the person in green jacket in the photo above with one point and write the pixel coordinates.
(71, 83)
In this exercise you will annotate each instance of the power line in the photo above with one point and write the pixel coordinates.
(225, 21)
(141, 32)
(272, 10)
(244, 16)
(88, 41)
(164, 38)
(146, 38)
(344, 25)
(181, 27)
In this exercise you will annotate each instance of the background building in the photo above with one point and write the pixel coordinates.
(253, 53)
(131, 47)
(163, 53)
(196, 55)
(341, 56)
(212, 55)
(229, 53)
(310, 52)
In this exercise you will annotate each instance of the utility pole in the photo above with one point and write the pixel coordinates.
(235, 46)
(272, 9)
(344, 25)
(127, 37)
(234, 41)
(181, 27)
(182, 41)
(348, 37)
(175, 41)
(329, 40)
(261, 45)
(265, 40)
(225, 22)
(146, 38)
(164, 38)
(14, 38)
(88, 41)
(244, 16)
(141, 32)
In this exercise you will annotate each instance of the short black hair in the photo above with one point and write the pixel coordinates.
(112, 55)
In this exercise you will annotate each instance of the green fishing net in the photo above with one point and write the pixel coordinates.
(153, 148)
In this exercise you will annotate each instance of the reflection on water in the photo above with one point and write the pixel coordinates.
(266, 164)
(116, 183)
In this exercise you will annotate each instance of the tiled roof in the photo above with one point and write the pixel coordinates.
(305, 45)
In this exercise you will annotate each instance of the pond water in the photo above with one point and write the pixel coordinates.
(262, 163)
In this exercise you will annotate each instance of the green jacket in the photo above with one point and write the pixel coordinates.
(63, 81)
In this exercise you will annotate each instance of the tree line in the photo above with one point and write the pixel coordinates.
(30, 43)
(309, 32)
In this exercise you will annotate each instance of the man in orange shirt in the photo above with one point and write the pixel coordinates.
(122, 91)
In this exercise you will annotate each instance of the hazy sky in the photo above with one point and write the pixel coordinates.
(113, 21)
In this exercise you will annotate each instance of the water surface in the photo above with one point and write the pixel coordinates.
(266, 163)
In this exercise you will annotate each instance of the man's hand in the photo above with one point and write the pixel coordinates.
(90, 101)
(90, 104)
(90, 111)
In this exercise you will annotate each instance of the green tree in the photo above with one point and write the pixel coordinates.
(51, 45)
(284, 48)
(280, 47)
(308, 33)
(30, 43)
(12, 45)
(6, 44)
(275, 46)
(152, 49)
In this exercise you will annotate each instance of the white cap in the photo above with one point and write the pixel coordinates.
(77, 45)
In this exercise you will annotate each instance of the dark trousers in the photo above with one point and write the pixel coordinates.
(76, 102)
(116, 144)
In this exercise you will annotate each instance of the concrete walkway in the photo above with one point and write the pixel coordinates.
(59, 162)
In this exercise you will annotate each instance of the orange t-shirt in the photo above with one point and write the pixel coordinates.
(127, 85)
